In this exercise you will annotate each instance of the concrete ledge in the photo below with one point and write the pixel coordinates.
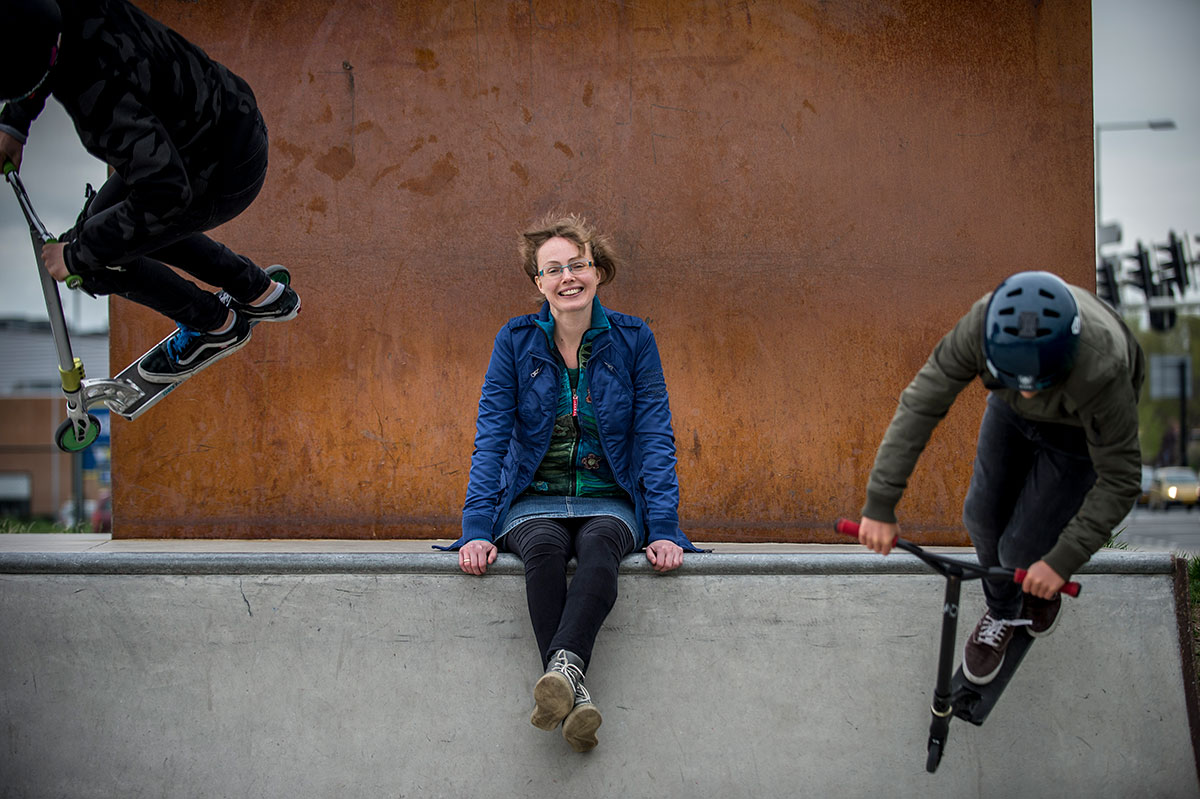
(728, 560)
(309, 674)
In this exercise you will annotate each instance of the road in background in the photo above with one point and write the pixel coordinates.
(1174, 530)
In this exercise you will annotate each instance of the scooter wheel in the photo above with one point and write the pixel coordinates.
(934, 759)
(65, 435)
(279, 274)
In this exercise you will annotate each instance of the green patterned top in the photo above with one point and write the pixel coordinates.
(574, 465)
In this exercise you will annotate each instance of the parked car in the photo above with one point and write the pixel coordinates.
(1147, 481)
(1174, 485)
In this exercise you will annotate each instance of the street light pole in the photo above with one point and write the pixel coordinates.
(1101, 127)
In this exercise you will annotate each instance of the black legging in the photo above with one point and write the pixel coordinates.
(569, 617)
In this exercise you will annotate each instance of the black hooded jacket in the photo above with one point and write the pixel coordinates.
(151, 105)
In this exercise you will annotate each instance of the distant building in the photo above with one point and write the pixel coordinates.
(35, 477)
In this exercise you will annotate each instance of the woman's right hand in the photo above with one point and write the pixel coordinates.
(475, 556)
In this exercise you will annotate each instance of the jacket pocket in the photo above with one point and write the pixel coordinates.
(536, 377)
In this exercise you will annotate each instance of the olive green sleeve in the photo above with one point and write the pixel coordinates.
(954, 363)
(1111, 425)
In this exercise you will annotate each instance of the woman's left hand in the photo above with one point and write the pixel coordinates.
(664, 555)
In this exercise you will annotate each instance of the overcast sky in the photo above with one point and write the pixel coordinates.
(1146, 59)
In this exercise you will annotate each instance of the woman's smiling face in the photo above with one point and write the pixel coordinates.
(571, 290)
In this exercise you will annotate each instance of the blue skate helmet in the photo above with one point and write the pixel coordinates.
(31, 49)
(1031, 331)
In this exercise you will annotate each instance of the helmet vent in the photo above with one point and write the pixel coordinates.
(1028, 326)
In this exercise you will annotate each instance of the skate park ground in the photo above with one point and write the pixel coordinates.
(375, 668)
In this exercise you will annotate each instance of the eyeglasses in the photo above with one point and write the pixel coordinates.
(575, 268)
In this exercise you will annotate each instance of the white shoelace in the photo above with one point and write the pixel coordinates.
(575, 675)
(992, 629)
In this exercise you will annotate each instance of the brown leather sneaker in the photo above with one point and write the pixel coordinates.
(1042, 614)
(983, 654)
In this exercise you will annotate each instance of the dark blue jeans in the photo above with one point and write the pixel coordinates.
(569, 617)
(148, 281)
(1030, 479)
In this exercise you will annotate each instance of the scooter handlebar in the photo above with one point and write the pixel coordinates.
(850, 528)
(1070, 588)
(847, 527)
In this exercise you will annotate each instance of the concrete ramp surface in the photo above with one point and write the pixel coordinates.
(358, 673)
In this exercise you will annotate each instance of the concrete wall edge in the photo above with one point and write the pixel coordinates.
(807, 563)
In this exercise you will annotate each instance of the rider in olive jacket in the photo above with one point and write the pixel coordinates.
(1100, 396)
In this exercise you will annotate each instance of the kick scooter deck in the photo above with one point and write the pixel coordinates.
(957, 696)
(974, 702)
(129, 394)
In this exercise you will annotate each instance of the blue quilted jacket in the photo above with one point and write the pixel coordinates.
(516, 419)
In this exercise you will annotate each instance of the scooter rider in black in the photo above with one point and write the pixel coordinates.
(188, 151)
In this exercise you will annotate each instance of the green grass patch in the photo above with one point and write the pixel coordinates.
(1194, 580)
(11, 526)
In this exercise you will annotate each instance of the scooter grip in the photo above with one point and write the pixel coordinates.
(847, 527)
(9, 166)
(73, 281)
(1070, 588)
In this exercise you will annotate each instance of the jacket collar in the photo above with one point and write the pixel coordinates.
(598, 325)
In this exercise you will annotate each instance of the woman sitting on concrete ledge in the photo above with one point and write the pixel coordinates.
(574, 455)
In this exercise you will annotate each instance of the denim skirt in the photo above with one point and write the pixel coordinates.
(534, 506)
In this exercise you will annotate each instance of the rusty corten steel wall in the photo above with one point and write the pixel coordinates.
(809, 195)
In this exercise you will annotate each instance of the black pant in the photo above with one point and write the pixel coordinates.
(1030, 479)
(569, 617)
(148, 281)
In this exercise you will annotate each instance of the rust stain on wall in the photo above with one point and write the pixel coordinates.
(520, 171)
(440, 176)
(808, 195)
(336, 163)
(426, 59)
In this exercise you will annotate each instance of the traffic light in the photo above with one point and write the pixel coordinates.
(1174, 268)
(1143, 278)
(1107, 287)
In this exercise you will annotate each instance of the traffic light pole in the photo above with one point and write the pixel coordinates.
(1184, 430)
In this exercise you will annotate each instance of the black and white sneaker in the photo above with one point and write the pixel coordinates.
(280, 309)
(188, 351)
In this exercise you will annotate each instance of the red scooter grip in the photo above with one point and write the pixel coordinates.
(847, 527)
(1070, 588)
